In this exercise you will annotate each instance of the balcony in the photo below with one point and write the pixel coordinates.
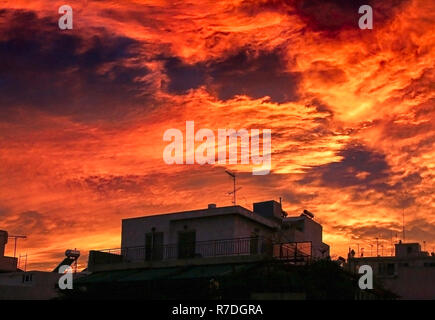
(214, 251)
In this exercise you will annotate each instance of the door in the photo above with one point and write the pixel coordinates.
(154, 246)
(186, 244)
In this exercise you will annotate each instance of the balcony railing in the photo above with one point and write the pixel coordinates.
(293, 251)
(300, 251)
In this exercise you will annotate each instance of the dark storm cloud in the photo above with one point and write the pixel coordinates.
(336, 15)
(184, 77)
(417, 229)
(256, 74)
(359, 167)
(329, 16)
(64, 72)
(369, 231)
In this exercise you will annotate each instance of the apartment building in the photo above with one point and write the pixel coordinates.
(410, 273)
(218, 233)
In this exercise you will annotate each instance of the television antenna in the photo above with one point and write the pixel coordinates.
(15, 243)
(233, 175)
(403, 199)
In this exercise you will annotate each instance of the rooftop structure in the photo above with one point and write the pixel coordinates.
(214, 235)
(7, 264)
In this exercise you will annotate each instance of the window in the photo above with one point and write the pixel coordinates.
(186, 244)
(154, 246)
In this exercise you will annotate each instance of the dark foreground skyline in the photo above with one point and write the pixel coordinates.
(83, 113)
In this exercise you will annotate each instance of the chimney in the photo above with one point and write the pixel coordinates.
(3, 241)
(212, 205)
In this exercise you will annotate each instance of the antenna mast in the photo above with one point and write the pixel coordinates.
(233, 175)
(403, 223)
(404, 198)
(15, 243)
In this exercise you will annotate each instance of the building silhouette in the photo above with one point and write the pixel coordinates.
(7, 264)
(219, 253)
(410, 273)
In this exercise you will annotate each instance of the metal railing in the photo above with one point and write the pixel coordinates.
(206, 249)
(293, 251)
(198, 249)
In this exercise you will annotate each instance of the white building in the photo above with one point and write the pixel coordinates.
(16, 284)
(218, 232)
(410, 273)
(31, 285)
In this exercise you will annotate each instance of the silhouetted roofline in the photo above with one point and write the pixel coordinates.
(210, 212)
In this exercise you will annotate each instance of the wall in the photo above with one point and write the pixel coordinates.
(214, 227)
(208, 226)
(40, 287)
(8, 264)
(416, 280)
(302, 229)
(413, 283)
(218, 224)
(245, 228)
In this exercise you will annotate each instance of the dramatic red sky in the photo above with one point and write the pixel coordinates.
(83, 112)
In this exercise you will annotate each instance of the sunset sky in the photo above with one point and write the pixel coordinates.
(83, 113)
